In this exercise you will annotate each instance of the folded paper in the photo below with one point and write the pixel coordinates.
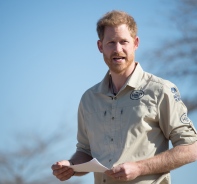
(92, 166)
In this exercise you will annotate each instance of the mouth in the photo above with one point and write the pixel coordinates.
(118, 59)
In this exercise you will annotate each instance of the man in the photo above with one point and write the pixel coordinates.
(126, 120)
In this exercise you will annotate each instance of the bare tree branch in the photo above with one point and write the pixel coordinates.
(29, 163)
(177, 56)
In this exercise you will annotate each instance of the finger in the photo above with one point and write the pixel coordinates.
(114, 175)
(114, 171)
(60, 171)
(55, 166)
(60, 164)
(65, 175)
(120, 178)
(109, 172)
(117, 174)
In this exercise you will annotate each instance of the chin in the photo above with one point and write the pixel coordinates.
(117, 70)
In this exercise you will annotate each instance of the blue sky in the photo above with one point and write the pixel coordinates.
(49, 57)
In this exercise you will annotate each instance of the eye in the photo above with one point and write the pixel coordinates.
(124, 42)
(111, 42)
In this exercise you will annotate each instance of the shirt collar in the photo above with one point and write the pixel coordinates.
(133, 81)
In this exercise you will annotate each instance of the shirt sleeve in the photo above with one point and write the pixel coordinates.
(173, 118)
(83, 142)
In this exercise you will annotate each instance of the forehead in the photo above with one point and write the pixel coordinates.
(117, 31)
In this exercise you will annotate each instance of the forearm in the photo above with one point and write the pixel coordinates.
(168, 160)
(79, 158)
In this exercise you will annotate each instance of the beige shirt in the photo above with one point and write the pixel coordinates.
(135, 124)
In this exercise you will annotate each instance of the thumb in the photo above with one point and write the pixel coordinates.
(63, 162)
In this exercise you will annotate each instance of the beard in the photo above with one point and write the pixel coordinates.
(118, 67)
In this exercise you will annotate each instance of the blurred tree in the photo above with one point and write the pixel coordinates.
(177, 56)
(30, 162)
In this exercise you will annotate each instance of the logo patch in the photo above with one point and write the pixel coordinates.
(136, 94)
(177, 97)
(173, 90)
(184, 119)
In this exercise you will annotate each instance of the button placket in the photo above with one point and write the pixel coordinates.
(113, 128)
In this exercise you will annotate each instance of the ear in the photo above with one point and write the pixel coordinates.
(136, 42)
(99, 45)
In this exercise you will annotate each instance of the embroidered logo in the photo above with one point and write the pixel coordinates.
(184, 119)
(136, 94)
(176, 94)
(177, 97)
(173, 90)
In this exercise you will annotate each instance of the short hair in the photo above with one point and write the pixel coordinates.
(116, 18)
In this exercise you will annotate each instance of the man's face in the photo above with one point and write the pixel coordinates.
(118, 48)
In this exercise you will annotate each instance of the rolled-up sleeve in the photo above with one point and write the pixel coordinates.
(173, 118)
(83, 142)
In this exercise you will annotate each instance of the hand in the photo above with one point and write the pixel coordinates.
(61, 171)
(125, 172)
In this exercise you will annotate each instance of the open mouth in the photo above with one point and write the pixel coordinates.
(118, 59)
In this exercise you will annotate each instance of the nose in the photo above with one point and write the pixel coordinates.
(118, 47)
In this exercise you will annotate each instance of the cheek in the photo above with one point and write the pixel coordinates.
(107, 52)
(130, 51)
(105, 57)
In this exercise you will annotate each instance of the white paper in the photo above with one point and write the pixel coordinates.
(92, 166)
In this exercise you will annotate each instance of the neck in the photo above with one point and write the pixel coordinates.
(119, 79)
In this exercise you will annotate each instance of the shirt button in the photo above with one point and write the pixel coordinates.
(112, 139)
(109, 160)
(112, 118)
(104, 180)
